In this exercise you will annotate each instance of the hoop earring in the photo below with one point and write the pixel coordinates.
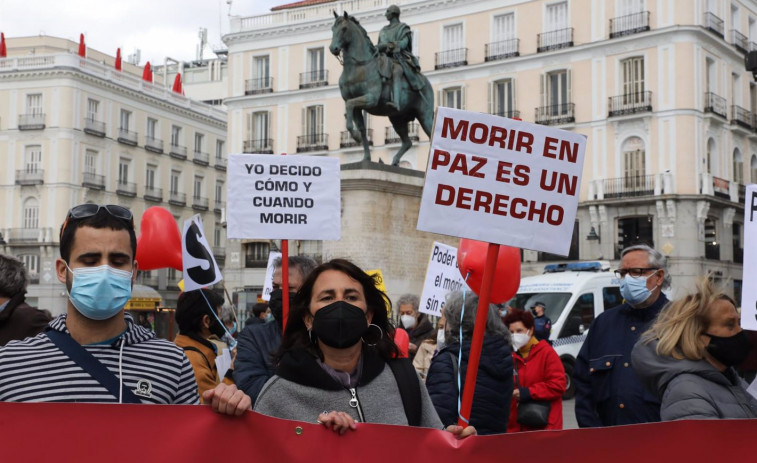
(381, 334)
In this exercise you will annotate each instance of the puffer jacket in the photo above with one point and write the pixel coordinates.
(494, 384)
(692, 389)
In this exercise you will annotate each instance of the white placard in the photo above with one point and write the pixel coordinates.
(442, 277)
(283, 197)
(268, 282)
(200, 267)
(223, 363)
(749, 291)
(502, 181)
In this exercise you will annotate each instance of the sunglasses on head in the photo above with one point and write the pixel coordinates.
(84, 211)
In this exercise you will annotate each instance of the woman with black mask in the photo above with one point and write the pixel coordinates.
(338, 365)
(687, 358)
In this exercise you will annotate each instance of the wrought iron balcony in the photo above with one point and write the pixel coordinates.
(739, 41)
(94, 127)
(501, 50)
(34, 121)
(127, 137)
(346, 140)
(630, 103)
(199, 203)
(154, 144)
(629, 24)
(556, 114)
(257, 86)
(177, 199)
(259, 146)
(30, 176)
(153, 194)
(390, 135)
(220, 163)
(554, 40)
(93, 181)
(451, 58)
(128, 189)
(713, 24)
(629, 187)
(178, 151)
(312, 142)
(318, 78)
(218, 205)
(513, 114)
(715, 104)
(201, 158)
(741, 117)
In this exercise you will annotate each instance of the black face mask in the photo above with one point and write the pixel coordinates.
(729, 351)
(340, 324)
(276, 303)
(216, 328)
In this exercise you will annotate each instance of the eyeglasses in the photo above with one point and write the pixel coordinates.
(84, 211)
(634, 272)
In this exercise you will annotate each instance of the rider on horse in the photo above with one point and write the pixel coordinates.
(395, 41)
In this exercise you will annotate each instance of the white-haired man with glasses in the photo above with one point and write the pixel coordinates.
(608, 392)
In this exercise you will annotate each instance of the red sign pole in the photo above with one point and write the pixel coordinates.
(284, 281)
(478, 335)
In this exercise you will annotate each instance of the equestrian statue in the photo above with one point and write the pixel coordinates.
(383, 80)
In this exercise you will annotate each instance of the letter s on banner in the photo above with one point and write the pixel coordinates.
(200, 268)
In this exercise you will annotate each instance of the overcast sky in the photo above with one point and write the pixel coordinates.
(159, 28)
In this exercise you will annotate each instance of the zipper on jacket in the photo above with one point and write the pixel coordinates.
(355, 403)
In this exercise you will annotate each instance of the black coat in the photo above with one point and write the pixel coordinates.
(19, 320)
(253, 365)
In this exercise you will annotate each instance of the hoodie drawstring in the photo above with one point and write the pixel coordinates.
(120, 372)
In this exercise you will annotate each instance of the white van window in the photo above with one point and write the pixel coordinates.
(611, 297)
(554, 302)
(582, 313)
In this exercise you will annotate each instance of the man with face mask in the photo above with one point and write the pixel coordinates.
(96, 349)
(608, 392)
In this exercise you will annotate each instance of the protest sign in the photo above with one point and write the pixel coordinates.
(749, 292)
(200, 267)
(268, 281)
(283, 197)
(502, 181)
(442, 277)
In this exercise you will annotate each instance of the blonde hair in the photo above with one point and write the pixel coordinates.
(679, 326)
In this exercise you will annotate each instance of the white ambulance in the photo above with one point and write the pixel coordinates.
(573, 294)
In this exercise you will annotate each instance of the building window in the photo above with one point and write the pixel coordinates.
(125, 120)
(556, 91)
(502, 98)
(711, 244)
(123, 171)
(453, 51)
(503, 27)
(220, 146)
(634, 158)
(753, 169)
(199, 142)
(93, 109)
(31, 262)
(150, 176)
(709, 156)
(175, 181)
(633, 79)
(261, 71)
(152, 128)
(258, 133)
(216, 236)
(315, 65)
(452, 98)
(313, 120)
(31, 213)
(738, 167)
(34, 104)
(634, 230)
(256, 254)
(738, 242)
(175, 135)
(197, 192)
(32, 159)
(90, 161)
(219, 191)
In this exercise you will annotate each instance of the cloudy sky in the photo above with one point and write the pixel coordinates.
(159, 28)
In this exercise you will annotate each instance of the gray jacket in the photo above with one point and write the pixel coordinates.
(310, 391)
(692, 389)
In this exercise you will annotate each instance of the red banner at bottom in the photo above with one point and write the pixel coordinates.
(115, 433)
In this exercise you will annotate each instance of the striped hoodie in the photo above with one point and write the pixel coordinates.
(155, 370)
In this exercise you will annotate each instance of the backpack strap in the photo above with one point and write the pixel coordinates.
(194, 349)
(410, 389)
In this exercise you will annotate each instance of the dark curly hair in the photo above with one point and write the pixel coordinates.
(519, 316)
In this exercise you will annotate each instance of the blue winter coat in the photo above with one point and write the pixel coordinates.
(608, 392)
(494, 384)
(254, 363)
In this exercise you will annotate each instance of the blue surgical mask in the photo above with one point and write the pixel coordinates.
(268, 317)
(634, 289)
(99, 293)
(233, 328)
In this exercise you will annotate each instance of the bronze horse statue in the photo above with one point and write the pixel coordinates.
(363, 88)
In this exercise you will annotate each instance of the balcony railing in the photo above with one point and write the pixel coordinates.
(93, 181)
(629, 24)
(24, 235)
(257, 86)
(501, 50)
(742, 194)
(554, 40)
(629, 187)
(126, 189)
(218, 205)
(739, 41)
(199, 203)
(312, 142)
(317, 78)
(94, 127)
(451, 58)
(30, 176)
(35, 121)
(741, 117)
(260, 146)
(178, 151)
(177, 199)
(153, 194)
(713, 24)
(127, 137)
(715, 104)
(220, 163)
(629, 104)
(201, 158)
(346, 140)
(154, 144)
(721, 187)
(556, 114)
(391, 136)
(513, 114)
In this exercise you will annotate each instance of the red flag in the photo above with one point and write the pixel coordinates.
(82, 47)
(147, 73)
(177, 84)
(3, 50)
(118, 59)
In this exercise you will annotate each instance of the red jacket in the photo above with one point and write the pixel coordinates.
(541, 377)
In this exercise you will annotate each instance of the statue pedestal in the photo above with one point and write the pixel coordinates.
(380, 205)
